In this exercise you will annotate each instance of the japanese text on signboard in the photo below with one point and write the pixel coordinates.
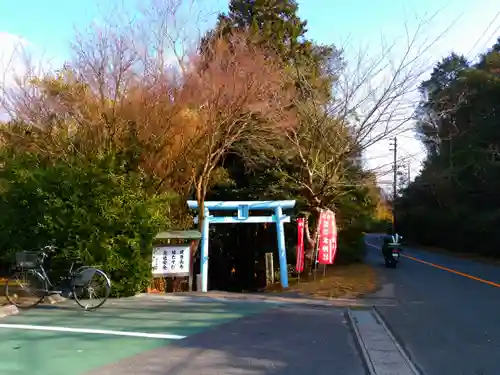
(171, 260)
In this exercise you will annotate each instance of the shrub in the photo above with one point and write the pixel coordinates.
(351, 246)
(92, 210)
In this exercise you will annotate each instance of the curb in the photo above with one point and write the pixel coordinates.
(344, 302)
(368, 361)
(8, 310)
(54, 298)
(396, 342)
(283, 301)
(359, 341)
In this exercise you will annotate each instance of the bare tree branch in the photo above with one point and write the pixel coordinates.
(240, 97)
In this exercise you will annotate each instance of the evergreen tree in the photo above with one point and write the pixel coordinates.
(453, 203)
(276, 25)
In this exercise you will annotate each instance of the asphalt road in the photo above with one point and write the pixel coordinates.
(164, 335)
(279, 341)
(448, 323)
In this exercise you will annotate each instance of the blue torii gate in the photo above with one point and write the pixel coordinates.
(243, 208)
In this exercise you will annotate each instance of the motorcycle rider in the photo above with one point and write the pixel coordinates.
(390, 240)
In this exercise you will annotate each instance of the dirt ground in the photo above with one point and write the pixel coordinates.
(340, 281)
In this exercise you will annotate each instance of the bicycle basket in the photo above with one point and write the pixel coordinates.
(27, 259)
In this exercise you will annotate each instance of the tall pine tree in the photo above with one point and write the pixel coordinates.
(276, 25)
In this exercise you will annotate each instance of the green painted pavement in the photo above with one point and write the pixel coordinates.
(30, 352)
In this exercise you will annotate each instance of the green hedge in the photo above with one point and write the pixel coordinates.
(93, 210)
(351, 246)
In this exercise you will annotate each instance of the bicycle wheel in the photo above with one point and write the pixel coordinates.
(90, 284)
(25, 285)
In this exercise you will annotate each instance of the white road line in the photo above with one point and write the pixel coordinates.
(165, 336)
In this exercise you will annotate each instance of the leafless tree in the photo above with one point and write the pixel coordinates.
(123, 80)
(240, 97)
(142, 78)
(374, 97)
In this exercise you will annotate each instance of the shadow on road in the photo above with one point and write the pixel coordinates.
(278, 341)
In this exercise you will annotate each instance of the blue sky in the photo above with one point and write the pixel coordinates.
(51, 26)
(48, 28)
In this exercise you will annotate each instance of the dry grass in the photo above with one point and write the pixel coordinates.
(340, 281)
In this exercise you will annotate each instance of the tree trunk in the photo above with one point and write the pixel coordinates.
(192, 250)
(201, 214)
(200, 198)
(310, 239)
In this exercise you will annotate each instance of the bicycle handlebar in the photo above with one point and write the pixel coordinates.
(49, 249)
(46, 251)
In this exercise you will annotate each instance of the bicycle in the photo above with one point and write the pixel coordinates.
(76, 284)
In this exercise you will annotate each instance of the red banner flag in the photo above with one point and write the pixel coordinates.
(334, 236)
(327, 247)
(300, 245)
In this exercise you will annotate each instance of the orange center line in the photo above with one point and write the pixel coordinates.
(448, 269)
(453, 271)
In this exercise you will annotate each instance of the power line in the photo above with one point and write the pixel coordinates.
(487, 39)
(400, 133)
(403, 159)
(484, 33)
(492, 35)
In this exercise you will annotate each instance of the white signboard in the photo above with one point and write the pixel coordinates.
(171, 261)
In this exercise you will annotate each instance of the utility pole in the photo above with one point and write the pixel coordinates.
(394, 149)
(409, 173)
